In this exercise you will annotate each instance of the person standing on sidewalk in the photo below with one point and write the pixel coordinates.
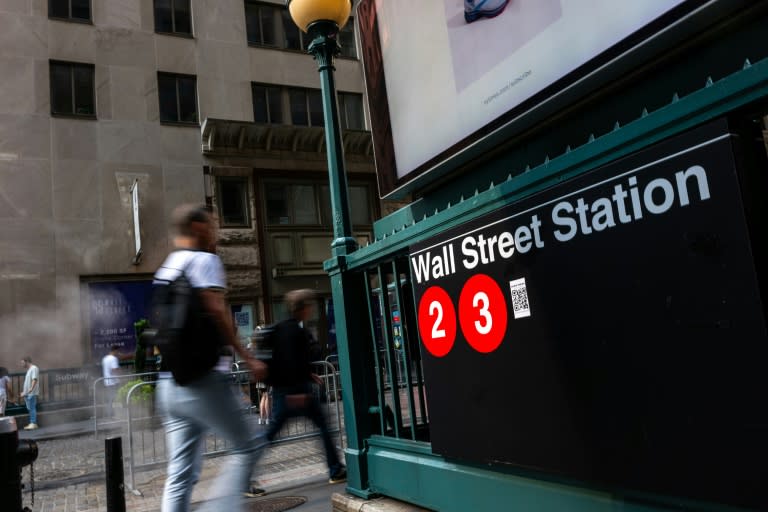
(31, 391)
(291, 377)
(5, 389)
(110, 364)
(206, 402)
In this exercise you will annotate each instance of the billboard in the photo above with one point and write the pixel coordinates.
(609, 329)
(437, 83)
(113, 307)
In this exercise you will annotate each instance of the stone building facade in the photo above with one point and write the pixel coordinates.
(101, 97)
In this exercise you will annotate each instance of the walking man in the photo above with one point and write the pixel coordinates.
(206, 402)
(291, 377)
(30, 391)
(110, 364)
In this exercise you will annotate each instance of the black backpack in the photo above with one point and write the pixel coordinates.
(184, 332)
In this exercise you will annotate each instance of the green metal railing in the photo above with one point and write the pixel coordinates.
(401, 401)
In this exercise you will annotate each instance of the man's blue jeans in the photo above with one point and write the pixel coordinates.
(189, 412)
(31, 401)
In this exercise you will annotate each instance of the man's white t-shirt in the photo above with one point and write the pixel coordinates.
(203, 269)
(33, 373)
(108, 364)
(3, 383)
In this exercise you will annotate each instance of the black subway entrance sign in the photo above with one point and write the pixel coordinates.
(607, 330)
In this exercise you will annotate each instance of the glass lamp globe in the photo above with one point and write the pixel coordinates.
(306, 12)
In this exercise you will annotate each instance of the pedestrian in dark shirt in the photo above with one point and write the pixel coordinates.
(291, 377)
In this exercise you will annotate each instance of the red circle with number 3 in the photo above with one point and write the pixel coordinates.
(437, 321)
(483, 313)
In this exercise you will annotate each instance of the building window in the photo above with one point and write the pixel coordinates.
(260, 24)
(173, 17)
(310, 204)
(72, 89)
(347, 40)
(306, 107)
(271, 26)
(359, 205)
(232, 198)
(351, 111)
(267, 104)
(178, 98)
(74, 10)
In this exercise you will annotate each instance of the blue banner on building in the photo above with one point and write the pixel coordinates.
(113, 308)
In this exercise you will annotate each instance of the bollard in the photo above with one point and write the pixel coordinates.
(113, 448)
(14, 455)
(10, 477)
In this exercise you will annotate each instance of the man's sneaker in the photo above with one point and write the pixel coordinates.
(254, 492)
(340, 475)
(476, 9)
(31, 426)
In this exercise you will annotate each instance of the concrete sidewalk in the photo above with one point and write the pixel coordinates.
(69, 474)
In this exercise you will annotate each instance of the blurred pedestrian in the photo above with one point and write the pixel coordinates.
(205, 402)
(110, 365)
(291, 377)
(31, 391)
(5, 389)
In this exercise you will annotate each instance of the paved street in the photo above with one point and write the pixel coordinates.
(69, 474)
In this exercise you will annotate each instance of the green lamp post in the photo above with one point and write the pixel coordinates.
(322, 20)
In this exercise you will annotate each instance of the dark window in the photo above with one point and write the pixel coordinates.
(310, 204)
(178, 98)
(306, 107)
(359, 205)
(72, 89)
(267, 104)
(233, 202)
(271, 25)
(75, 10)
(173, 17)
(351, 111)
(293, 38)
(260, 24)
(291, 204)
(347, 40)
(276, 200)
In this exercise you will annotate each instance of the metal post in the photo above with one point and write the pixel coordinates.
(113, 448)
(347, 290)
(10, 476)
(324, 47)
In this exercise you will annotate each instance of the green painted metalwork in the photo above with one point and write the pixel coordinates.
(379, 459)
(408, 471)
(324, 47)
(369, 295)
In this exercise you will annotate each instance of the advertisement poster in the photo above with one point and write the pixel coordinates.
(435, 79)
(609, 329)
(242, 315)
(114, 306)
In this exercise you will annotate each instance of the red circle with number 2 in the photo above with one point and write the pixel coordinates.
(483, 313)
(437, 321)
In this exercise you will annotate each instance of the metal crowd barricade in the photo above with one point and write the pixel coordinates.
(146, 436)
(96, 395)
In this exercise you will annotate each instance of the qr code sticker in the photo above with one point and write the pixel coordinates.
(519, 292)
